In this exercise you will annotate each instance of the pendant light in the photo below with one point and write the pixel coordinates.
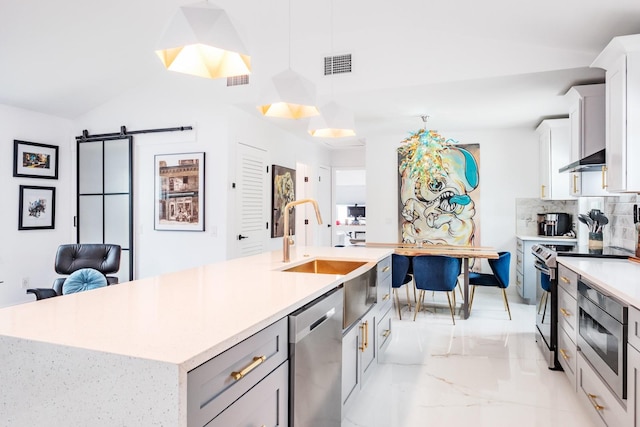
(201, 40)
(335, 121)
(290, 95)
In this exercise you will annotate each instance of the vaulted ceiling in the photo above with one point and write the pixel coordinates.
(468, 64)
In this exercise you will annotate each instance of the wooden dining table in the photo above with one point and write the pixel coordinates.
(456, 251)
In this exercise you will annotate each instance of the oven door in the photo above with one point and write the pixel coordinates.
(602, 341)
(544, 303)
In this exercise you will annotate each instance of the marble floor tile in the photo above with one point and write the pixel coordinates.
(484, 371)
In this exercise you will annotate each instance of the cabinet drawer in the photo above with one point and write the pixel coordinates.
(567, 314)
(634, 327)
(384, 333)
(520, 283)
(604, 407)
(519, 262)
(266, 404)
(384, 268)
(519, 245)
(567, 356)
(212, 386)
(384, 291)
(568, 280)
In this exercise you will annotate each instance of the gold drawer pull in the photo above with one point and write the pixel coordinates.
(593, 398)
(564, 354)
(385, 297)
(565, 313)
(256, 361)
(386, 333)
(364, 327)
(385, 269)
(565, 280)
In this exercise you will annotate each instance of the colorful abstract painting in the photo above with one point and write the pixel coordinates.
(439, 190)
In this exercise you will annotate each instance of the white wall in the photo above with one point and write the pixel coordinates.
(218, 128)
(30, 253)
(508, 169)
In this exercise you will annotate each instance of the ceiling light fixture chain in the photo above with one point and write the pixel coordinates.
(425, 118)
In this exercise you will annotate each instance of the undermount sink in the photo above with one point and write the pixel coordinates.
(326, 266)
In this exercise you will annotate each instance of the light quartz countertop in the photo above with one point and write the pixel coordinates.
(618, 277)
(182, 318)
(549, 238)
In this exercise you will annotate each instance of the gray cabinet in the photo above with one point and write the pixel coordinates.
(216, 384)
(526, 277)
(264, 405)
(568, 322)
(633, 368)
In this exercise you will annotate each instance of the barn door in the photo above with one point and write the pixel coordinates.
(105, 196)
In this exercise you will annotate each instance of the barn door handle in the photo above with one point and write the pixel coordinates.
(240, 237)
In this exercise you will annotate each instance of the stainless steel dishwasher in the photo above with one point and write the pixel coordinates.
(315, 362)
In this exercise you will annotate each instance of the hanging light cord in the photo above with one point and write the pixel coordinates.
(289, 34)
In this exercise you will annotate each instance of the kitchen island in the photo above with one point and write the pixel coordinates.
(120, 355)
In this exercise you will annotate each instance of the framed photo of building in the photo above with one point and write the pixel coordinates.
(284, 191)
(179, 192)
(33, 160)
(37, 208)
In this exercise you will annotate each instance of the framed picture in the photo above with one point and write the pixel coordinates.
(179, 192)
(284, 191)
(37, 209)
(35, 160)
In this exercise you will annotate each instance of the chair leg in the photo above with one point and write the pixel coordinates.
(450, 307)
(408, 299)
(506, 302)
(473, 292)
(420, 298)
(396, 300)
(415, 298)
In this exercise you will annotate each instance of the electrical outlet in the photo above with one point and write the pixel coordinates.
(25, 282)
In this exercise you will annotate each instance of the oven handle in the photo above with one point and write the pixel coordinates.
(544, 269)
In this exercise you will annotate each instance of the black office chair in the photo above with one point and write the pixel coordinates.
(69, 258)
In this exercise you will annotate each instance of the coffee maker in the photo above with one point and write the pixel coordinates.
(554, 224)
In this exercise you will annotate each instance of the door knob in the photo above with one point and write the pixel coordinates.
(240, 237)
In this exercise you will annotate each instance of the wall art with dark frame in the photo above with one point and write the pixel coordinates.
(283, 192)
(37, 209)
(34, 160)
(179, 192)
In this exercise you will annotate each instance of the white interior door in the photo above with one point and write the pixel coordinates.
(324, 201)
(251, 201)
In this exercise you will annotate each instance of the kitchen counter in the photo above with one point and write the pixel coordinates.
(131, 345)
(549, 238)
(618, 277)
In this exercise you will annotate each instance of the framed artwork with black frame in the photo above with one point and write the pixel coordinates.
(37, 209)
(34, 160)
(179, 192)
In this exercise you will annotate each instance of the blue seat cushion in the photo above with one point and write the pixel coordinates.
(83, 280)
(483, 279)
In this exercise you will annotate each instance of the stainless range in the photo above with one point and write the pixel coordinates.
(547, 289)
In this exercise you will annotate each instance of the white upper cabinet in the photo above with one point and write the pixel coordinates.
(587, 130)
(554, 139)
(621, 60)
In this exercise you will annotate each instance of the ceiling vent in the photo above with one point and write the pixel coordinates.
(337, 64)
(238, 80)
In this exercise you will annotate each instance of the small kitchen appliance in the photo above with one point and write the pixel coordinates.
(554, 224)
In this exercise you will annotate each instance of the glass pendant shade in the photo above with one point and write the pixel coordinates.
(334, 122)
(201, 40)
(291, 96)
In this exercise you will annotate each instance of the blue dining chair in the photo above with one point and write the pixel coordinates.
(400, 277)
(499, 278)
(435, 273)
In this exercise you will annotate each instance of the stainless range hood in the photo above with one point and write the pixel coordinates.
(593, 162)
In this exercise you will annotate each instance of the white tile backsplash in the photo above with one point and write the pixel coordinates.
(621, 230)
(527, 210)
